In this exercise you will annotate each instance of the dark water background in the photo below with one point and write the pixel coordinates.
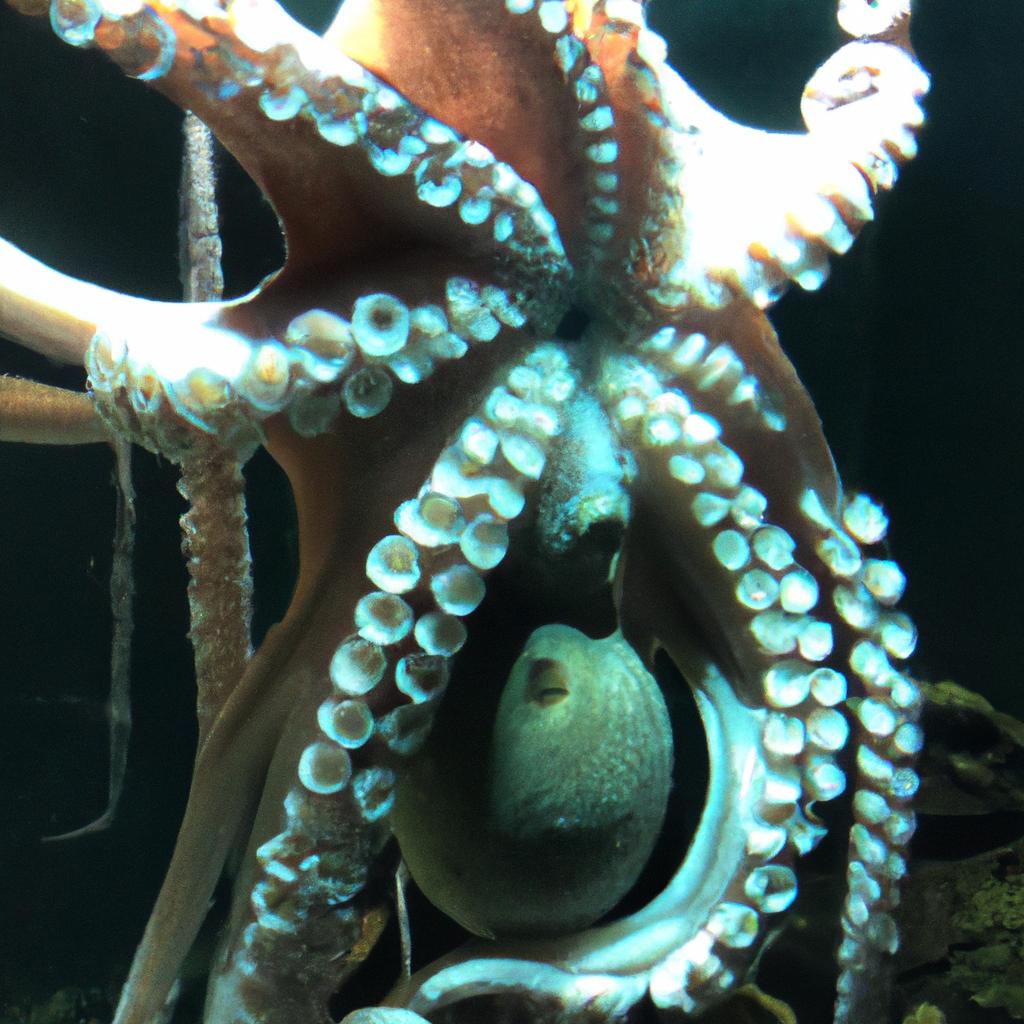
(912, 352)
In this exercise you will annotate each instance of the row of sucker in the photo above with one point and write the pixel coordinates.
(714, 370)
(347, 104)
(703, 241)
(889, 738)
(863, 596)
(774, 603)
(323, 363)
(386, 678)
(596, 120)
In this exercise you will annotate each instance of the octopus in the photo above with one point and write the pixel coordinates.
(549, 464)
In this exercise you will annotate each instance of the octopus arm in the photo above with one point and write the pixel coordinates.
(308, 873)
(410, 43)
(307, 121)
(761, 209)
(39, 414)
(693, 405)
(221, 805)
(728, 210)
(343, 129)
(52, 313)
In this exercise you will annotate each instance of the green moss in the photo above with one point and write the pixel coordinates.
(998, 903)
(925, 1014)
(993, 971)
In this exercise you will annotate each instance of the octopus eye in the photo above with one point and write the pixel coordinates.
(547, 682)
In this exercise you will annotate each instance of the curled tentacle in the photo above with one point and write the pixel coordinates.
(321, 824)
(731, 211)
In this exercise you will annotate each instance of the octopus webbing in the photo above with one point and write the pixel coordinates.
(518, 348)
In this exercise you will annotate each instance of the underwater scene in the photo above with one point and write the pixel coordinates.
(632, 482)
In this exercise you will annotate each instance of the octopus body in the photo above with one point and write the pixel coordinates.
(518, 348)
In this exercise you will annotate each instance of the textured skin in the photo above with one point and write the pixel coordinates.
(575, 784)
(671, 229)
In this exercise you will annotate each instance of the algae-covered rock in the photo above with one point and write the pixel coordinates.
(973, 762)
(963, 906)
(992, 923)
